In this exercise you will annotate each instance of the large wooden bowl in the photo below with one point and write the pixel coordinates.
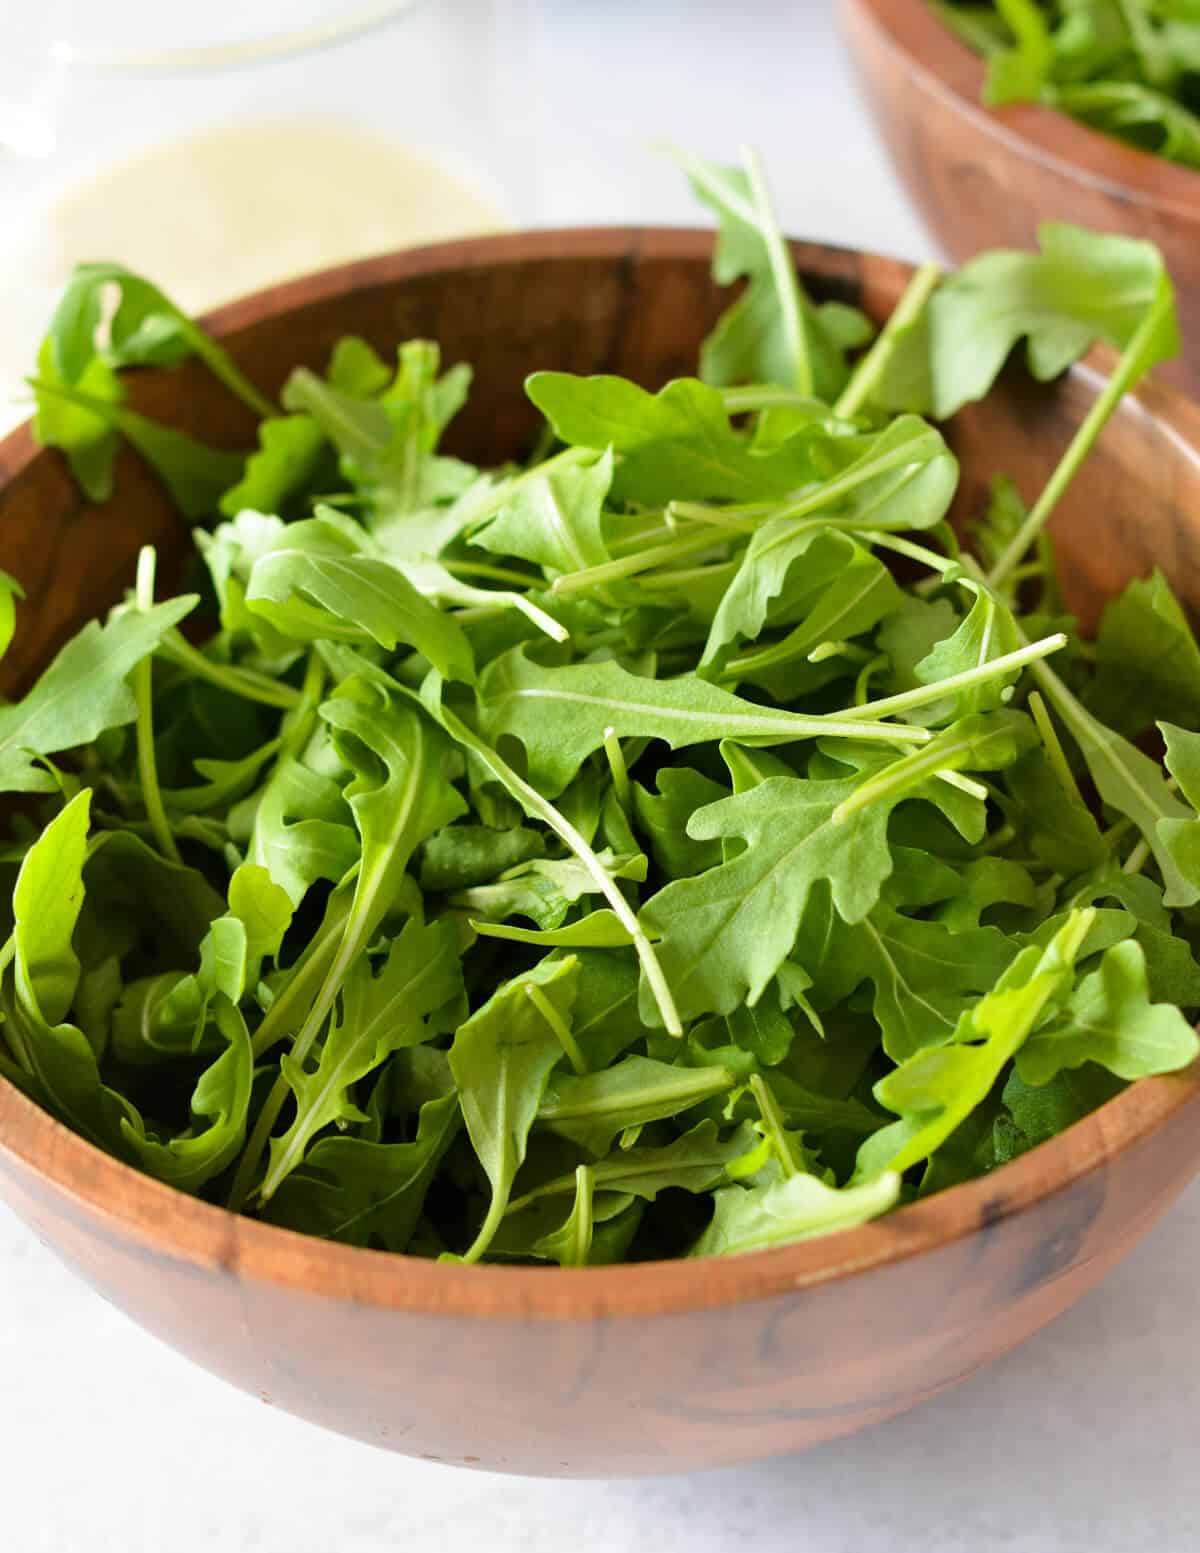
(658, 1367)
(986, 179)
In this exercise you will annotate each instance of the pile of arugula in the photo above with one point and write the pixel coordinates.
(673, 845)
(1128, 67)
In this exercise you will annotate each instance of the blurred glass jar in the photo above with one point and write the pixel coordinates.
(221, 147)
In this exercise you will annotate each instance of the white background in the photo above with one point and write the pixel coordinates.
(1085, 1439)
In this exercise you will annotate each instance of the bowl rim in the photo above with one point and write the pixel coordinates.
(949, 69)
(124, 1205)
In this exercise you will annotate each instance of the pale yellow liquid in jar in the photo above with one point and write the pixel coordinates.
(216, 215)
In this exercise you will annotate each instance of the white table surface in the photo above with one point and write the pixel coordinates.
(1084, 1439)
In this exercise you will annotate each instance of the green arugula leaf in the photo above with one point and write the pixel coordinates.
(695, 1162)
(379, 1014)
(677, 445)
(592, 1109)
(1129, 781)
(1111, 1021)
(725, 933)
(292, 452)
(82, 693)
(935, 1090)
(355, 597)
(1080, 288)
(772, 333)
(1147, 660)
(360, 1192)
(783, 1212)
(501, 1060)
(1180, 834)
(561, 715)
(924, 975)
(194, 474)
(545, 889)
(145, 329)
(221, 1098)
(555, 517)
(1019, 73)
(57, 1056)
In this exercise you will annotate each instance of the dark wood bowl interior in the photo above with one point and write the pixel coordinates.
(658, 1367)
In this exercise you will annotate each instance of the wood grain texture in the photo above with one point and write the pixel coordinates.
(660, 1367)
(986, 178)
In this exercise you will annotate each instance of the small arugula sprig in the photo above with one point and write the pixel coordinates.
(1128, 67)
(674, 845)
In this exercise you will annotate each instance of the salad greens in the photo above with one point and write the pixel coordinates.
(1130, 68)
(672, 845)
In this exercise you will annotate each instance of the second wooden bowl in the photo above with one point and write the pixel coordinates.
(987, 179)
(659, 1367)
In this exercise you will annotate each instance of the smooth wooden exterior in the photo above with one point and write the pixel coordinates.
(661, 1367)
(987, 179)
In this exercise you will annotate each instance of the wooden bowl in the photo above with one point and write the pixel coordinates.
(985, 178)
(658, 1367)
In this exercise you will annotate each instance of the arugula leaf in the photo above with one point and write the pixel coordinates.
(291, 454)
(783, 1212)
(1080, 288)
(935, 1090)
(86, 435)
(561, 715)
(145, 329)
(355, 597)
(379, 1014)
(851, 591)
(1147, 660)
(1018, 73)
(356, 1191)
(82, 693)
(1129, 781)
(555, 517)
(1111, 1021)
(923, 973)
(56, 1055)
(593, 1108)
(386, 443)
(725, 933)
(772, 333)
(464, 855)
(1180, 834)
(677, 445)
(695, 1162)
(303, 829)
(501, 1059)
(221, 1097)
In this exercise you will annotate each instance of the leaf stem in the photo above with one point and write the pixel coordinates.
(783, 272)
(143, 693)
(251, 686)
(773, 1121)
(541, 808)
(766, 396)
(1128, 370)
(924, 694)
(559, 1025)
(1053, 746)
(631, 565)
(870, 368)
(620, 772)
